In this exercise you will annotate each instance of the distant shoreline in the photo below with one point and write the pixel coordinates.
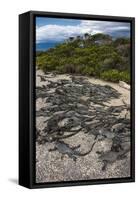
(45, 46)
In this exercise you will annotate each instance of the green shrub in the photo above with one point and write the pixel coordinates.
(110, 75)
(70, 68)
(115, 76)
(125, 76)
(88, 71)
(60, 69)
(109, 61)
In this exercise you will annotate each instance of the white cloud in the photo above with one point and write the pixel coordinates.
(56, 32)
(60, 32)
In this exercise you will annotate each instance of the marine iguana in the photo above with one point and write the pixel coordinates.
(42, 139)
(42, 78)
(72, 152)
(110, 157)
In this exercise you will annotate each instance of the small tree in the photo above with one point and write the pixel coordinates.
(86, 36)
(71, 39)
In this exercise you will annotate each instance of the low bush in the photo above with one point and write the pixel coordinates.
(115, 76)
(109, 59)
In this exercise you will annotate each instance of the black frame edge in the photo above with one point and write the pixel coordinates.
(24, 96)
(133, 99)
(80, 15)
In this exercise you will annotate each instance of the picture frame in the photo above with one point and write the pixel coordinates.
(27, 101)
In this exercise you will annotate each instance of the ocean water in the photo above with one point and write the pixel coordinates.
(45, 46)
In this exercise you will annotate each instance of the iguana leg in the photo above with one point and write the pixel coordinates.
(99, 152)
(121, 157)
(104, 165)
(73, 148)
(62, 156)
(74, 158)
(54, 149)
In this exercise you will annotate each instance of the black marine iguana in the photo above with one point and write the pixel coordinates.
(54, 137)
(110, 157)
(72, 152)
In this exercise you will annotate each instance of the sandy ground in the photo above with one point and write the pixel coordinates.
(53, 167)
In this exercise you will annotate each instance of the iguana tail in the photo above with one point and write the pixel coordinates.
(65, 136)
(123, 154)
(84, 154)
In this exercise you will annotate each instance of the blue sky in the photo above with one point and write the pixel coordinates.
(42, 21)
(57, 29)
